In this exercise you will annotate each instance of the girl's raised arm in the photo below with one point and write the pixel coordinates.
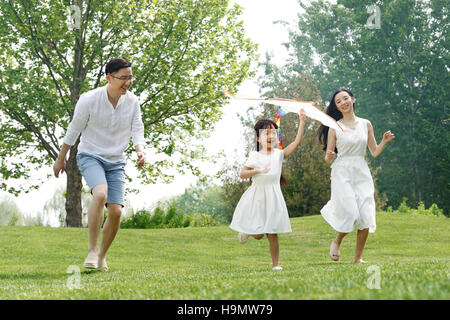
(298, 139)
(374, 148)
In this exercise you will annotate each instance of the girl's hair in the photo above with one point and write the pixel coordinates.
(267, 124)
(333, 112)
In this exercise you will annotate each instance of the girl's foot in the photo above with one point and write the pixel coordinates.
(334, 251)
(359, 261)
(243, 237)
(277, 268)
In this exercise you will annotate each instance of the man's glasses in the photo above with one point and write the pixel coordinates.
(124, 78)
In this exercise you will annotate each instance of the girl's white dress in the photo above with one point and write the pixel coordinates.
(352, 202)
(262, 208)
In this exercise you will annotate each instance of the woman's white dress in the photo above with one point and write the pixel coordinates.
(262, 208)
(352, 202)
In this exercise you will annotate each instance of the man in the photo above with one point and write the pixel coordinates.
(106, 117)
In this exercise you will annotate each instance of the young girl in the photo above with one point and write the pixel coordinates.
(262, 209)
(352, 201)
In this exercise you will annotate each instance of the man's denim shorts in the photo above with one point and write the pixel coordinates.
(98, 171)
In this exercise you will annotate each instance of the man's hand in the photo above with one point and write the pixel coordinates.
(141, 158)
(59, 166)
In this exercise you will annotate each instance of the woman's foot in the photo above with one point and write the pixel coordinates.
(334, 251)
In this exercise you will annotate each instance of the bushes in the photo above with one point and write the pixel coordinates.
(203, 220)
(10, 214)
(168, 216)
(159, 218)
(433, 210)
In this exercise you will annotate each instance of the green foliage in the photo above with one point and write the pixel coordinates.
(202, 220)
(433, 210)
(232, 186)
(14, 221)
(204, 198)
(183, 54)
(403, 207)
(55, 206)
(10, 214)
(169, 218)
(139, 220)
(399, 76)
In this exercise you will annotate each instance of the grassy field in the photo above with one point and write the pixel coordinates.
(409, 254)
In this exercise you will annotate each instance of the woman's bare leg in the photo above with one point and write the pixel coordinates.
(336, 244)
(361, 238)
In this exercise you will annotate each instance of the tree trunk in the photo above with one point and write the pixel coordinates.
(417, 184)
(74, 186)
(74, 182)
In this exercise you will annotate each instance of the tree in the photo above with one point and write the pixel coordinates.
(202, 198)
(9, 213)
(55, 206)
(184, 53)
(399, 76)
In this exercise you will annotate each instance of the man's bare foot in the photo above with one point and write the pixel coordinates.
(102, 264)
(91, 260)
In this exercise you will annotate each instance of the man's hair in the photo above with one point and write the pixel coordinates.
(115, 64)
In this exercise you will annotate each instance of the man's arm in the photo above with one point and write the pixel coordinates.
(78, 123)
(137, 134)
(60, 163)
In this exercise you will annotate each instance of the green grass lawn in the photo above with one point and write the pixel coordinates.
(410, 253)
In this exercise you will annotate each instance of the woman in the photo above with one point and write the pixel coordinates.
(352, 202)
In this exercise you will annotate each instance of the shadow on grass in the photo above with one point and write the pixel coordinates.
(331, 263)
(33, 276)
(91, 271)
(45, 275)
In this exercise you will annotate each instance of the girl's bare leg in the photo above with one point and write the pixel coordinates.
(257, 236)
(274, 248)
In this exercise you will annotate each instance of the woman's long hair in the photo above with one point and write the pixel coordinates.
(268, 124)
(333, 112)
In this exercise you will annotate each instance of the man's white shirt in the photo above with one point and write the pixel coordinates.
(105, 131)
